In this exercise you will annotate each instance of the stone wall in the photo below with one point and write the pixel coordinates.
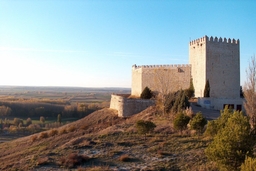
(127, 106)
(160, 78)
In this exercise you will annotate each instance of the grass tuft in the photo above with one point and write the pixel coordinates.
(125, 158)
(73, 159)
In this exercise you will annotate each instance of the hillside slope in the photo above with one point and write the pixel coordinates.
(102, 140)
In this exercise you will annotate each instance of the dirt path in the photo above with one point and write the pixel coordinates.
(210, 114)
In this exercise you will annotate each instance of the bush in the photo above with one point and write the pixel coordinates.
(145, 127)
(180, 122)
(217, 125)
(17, 121)
(181, 102)
(146, 93)
(71, 128)
(249, 164)
(198, 122)
(28, 122)
(62, 131)
(73, 159)
(43, 135)
(42, 119)
(33, 138)
(232, 143)
(124, 158)
(191, 90)
(53, 132)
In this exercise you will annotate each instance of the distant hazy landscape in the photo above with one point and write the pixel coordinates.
(27, 105)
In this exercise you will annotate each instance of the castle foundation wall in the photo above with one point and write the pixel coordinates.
(220, 103)
(127, 107)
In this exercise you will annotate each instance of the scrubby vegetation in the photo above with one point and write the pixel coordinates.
(146, 93)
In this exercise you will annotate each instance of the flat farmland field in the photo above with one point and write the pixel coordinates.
(28, 110)
(67, 94)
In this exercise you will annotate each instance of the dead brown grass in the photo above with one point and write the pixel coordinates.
(73, 159)
(125, 158)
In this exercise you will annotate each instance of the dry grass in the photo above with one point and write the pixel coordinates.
(43, 135)
(33, 138)
(95, 168)
(125, 158)
(53, 132)
(71, 128)
(73, 159)
(43, 160)
(62, 131)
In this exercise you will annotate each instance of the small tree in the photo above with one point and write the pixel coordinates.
(42, 119)
(146, 93)
(59, 118)
(28, 122)
(232, 143)
(207, 89)
(191, 90)
(181, 121)
(17, 121)
(198, 122)
(145, 127)
(181, 102)
(249, 92)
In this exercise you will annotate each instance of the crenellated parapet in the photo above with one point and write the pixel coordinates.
(161, 66)
(214, 39)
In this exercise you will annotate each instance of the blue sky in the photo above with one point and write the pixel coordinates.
(94, 43)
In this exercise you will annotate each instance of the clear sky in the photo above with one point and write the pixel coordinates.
(95, 43)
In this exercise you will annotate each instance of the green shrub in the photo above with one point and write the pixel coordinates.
(198, 122)
(181, 102)
(207, 89)
(146, 93)
(191, 90)
(180, 122)
(145, 127)
(217, 125)
(249, 164)
(232, 143)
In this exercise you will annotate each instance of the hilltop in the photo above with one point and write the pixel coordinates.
(103, 141)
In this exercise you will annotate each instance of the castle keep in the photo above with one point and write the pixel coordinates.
(214, 59)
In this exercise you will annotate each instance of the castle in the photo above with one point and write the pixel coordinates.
(214, 59)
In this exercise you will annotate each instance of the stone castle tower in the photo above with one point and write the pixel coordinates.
(216, 60)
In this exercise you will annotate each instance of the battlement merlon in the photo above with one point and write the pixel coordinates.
(161, 66)
(216, 39)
